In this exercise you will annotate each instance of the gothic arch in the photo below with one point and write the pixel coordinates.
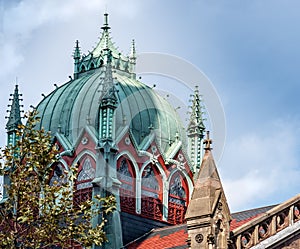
(82, 154)
(178, 197)
(186, 177)
(152, 179)
(127, 176)
(58, 174)
(131, 158)
(85, 174)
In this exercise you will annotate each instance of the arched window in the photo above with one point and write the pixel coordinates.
(59, 175)
(82, 69)
(83, 184)
(127, 190)
(151, 193)
(178, 196)
(92, 66)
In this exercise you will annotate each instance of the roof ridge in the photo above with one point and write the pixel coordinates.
(251, 209)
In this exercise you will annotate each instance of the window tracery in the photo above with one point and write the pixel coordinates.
(127, 190)
(177, 199)
(150, 185)
(151, 194)
(84, 186)
(86, 175)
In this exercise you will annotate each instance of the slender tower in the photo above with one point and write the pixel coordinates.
(12, 126)
(195, 131)
(14, 118)
(76, 57)
(106, 181)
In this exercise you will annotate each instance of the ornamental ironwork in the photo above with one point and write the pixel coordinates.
(127, 200)
(176, 213)
(151, 208)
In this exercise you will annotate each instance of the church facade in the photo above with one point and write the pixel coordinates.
(127, 140)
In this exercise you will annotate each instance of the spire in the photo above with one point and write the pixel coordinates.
(14, 118)
(108, 84)
(208, 214)
(195, 131)
(76, 57)
(77, 53)
(105, 26)
(106, 29)
(97, 57)
(132, 50)
(107, 106)
(196, 119)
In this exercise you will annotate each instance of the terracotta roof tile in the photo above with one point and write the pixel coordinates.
(174, 237)
(163, 238)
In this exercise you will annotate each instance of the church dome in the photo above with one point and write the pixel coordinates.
(74, 105)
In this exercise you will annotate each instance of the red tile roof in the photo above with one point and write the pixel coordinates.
(243, 217)
(175, 237)
(162, 238)
(235, 223)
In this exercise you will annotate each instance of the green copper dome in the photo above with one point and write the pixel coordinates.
(75, 105)
(69, 108)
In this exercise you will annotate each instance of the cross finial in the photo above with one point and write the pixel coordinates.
(207, 141)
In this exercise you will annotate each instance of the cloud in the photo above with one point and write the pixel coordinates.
(259, 167)
(20, 20)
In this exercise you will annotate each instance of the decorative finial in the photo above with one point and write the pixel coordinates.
(105, 26)
(14, 118)
(207, 141)
(77, 53)
(132, 50)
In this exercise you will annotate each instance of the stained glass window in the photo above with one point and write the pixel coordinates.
(150, 185)
(176, 187)
(177, 199)
(86, 175)
(127, 189)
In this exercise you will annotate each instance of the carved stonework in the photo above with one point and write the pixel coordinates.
(86, 175)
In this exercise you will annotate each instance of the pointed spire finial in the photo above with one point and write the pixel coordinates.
(105, 26)
(14, 118)
(207, 142)
(77, 53)
(132, 50)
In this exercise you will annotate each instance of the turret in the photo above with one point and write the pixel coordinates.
(12, 126)
(195, 131)
(106, 181)
(76, 57)
(107, 106)
(14, 118)
(132, 59)
(97, 57)
(208, 215)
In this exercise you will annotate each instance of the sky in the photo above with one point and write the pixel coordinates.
(249, 50)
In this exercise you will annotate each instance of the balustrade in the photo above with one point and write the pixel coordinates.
(151, 208)
(82, 195)
(268, 224)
